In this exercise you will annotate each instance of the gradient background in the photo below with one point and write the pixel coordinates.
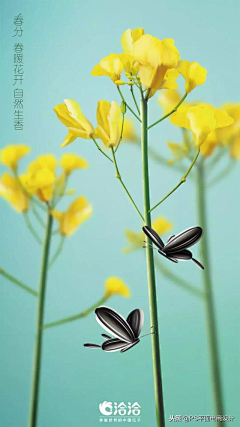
(63, 41)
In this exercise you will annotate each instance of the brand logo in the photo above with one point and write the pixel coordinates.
(114, 412)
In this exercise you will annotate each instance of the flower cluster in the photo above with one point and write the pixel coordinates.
(41, 184)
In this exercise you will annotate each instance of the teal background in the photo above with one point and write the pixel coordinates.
(63, 41)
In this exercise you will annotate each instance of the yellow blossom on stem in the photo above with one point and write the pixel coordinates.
(129, 37)
(70, 114)
(71, 162)
(116, 286)
(41, 183)
(45, 161)
(78, 212)
(110, 66)
(193, 73)
(11, 155)
(11, 190)
(161, 225)
(109, 123)
(227, 135)
(201, 120)
(179, 151)
(235, 148)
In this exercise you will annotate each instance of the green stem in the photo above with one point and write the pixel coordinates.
(31, 229)
(120, 139)
(130, 109)
(169, 114)
(77, 316)
(58, 251)
(134, 99)
(178, 280)
(157, 375)
(39, 324)
(163, 161)
(210, 310)
(17, 282)
(38, 217)
(95, 142)
(123, 185)
(183, 179)
(222, 174)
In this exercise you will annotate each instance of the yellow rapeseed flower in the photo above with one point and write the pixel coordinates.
(110, 66)
(193, 73)
(44, 161)
(161, 225)
(78, 212)
(129, 37)
(41, 183)
(109, 123)
(71, 162)
(179, 151)
(11, 190)
(11, 155)
(116, 286)
(235, 148)
(71, 116)
(201, 120)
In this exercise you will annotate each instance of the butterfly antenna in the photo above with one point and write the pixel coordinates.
(148, 329)
(151, 333)
(150, 247)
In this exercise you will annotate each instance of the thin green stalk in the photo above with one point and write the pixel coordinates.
(163, 161)
(134, 99)
(31, 229)
(77, 316)
(58, 251)
(178, 280)
(17, 282)
(121, 134)
(169, 114)
(38, 217)
(157, 374)
(223, 173)
(130, 109)
(183, 179)
(95, 142)
(123, 185)
(210, 309)
(39, 324)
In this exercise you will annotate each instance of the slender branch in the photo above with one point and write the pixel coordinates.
(31, 229)
(57, 253)
(95, 142)
(121, 134)
(39, 324)
(169, 114)
(128, 105)
(210, 308)
(178, 280)
(163, 161)
(77, 316)
(134, 99)
(17, 282)
(123, 185)
(223, 173)
(183, 179)
(38, 217)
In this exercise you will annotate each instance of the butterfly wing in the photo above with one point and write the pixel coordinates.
(135, 319)
(153, 236)
(184, 240)
(127, 347)
(114, 344)
(89, 345)
(114, 323)
(183, 255)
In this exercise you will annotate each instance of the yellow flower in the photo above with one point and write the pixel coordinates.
(41, 182)
(11, 190)
(129, 133)
(161, 225)
(45, 161)
(116, 286)
(129, 37)
(201, 120)
(70, 114)
(110, 66)
(208, 146)
(235, 148)
(168, 99)
(11, 155)
(109, 123)
(78, 212)
(193, 73)
(71, 162)
(155, 58)
(227, 135)
(179, 151)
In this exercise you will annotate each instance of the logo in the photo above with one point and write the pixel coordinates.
(115, 412)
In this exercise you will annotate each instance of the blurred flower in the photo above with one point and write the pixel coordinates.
(110, 66)
(109, 123)
(161, 225)
(193, 73)
(10, 189)
(235, 148)
(155, 58)
(179, 151)
(71, 116)
(71, 162)
(230, 135)
(116, 286)
(79, 211)
(45, 161)
(168, 99)
(129, 133)
(201, 120)
(40, 182)
(11, 155)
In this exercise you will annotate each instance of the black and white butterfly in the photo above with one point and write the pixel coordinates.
(176, 245)
(126, 332)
